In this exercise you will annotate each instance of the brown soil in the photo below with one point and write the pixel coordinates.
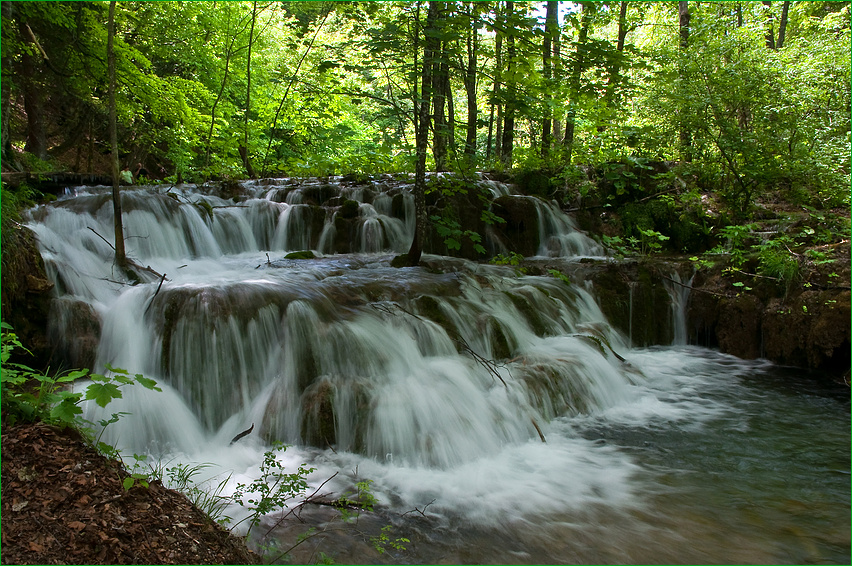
(64, 503)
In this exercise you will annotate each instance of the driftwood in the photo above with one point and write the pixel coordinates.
(243, 433)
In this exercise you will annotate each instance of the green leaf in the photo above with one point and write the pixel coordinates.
(452, 244)
(66, 411)
(147, 383)
(103, 393)
(127, 483)
(73, 376)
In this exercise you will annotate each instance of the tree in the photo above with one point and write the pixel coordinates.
(574, 85)
(551, 29)
(430, 54)
(120, 257)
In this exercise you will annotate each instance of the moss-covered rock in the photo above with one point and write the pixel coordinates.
(520, 232)
(304, 254)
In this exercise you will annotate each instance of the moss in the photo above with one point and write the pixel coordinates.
(529, 313)
(349, 209)
(428, 307)
(304, 254)
(318, 418)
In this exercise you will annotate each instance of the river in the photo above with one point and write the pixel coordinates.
(497, 415)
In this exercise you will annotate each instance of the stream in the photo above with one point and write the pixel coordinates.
(438, 384)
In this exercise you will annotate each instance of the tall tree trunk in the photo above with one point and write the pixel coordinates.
(496, 93)
(782, 25)
(244, 147)
(615, 72)
(556, 129)
(508, 139)
(470, 86)
(439, 98)
(685, 136)
(120, 257)
(550, 28)
(31, 71)
(770, 26)
(588, 9)
(431, 46)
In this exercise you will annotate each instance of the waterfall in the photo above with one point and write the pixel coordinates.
(436, 369)
(679, 290)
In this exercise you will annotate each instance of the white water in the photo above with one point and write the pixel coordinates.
(351, 362)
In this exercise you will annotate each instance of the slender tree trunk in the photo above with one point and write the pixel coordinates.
(615, 73)
(244, 147)
(439, 98)
(507, 143)
(685, 136)
(550, 27)
(31, 71)
(588, 9)
(496, 92)
(120, 257)
(770, 27)
(782, 25)
(422, 135)
(470, 87)
(556, 128)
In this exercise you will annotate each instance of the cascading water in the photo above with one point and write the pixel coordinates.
(438, 384)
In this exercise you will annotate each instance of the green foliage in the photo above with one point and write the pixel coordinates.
(453, 235)
(511, 258)
(29, 395)
(382, 541)
(777, 260)
(273, 490)
(559, 275)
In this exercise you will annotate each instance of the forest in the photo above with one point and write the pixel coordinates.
(533, 282)
(747, 97)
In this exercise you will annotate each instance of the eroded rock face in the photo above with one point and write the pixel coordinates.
(801, 327)
(27, 293)
(75, 332)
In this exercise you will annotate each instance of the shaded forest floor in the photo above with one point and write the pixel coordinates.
(63, 503)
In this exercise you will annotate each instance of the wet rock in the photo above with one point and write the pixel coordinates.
(318, 420)
(75, 332)
(520, 232)
(27, 293)
(349, 209)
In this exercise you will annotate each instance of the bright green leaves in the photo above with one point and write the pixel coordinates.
(453, 235)
(29, 395)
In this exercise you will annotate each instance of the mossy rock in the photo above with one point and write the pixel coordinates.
(304, 254)
(529, 313)
(318, 418)
(349, 209)
(428, 307)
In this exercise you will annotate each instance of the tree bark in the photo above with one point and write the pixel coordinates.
(120, 257)
(782, 25)
(244, 147)
(439, 98)
(508, 138)
(588, 9)
(430, 48)
(685, 136)
(550, 27)
(770, 27)
(470, 87)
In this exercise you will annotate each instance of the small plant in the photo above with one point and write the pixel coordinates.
(452, 233)
(273, 490)
(511, 258)
(651, 241)
(382, 541)
(29, 395)
(616, 244)
(559, 275)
